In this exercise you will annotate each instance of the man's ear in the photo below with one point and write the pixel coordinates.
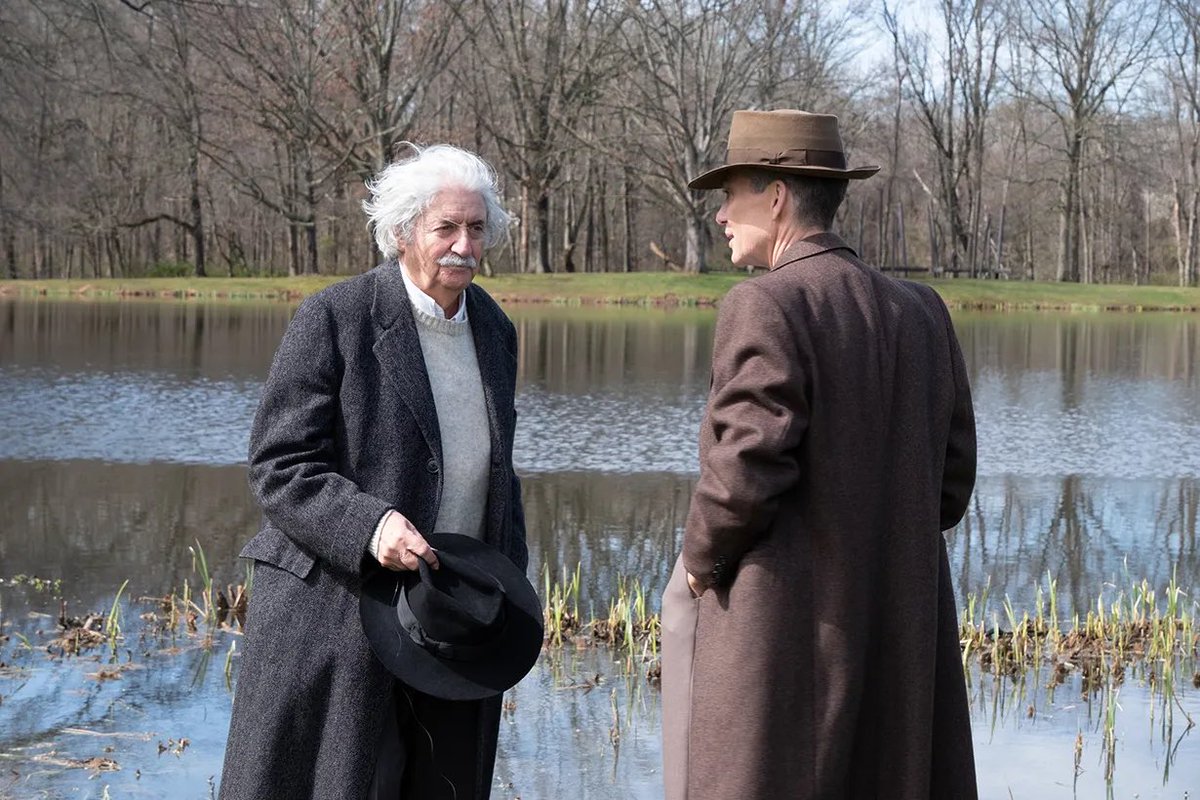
(779, 199)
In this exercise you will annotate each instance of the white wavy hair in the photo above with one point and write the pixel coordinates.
(402, 192)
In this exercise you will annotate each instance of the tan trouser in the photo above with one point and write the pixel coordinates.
(679, 614)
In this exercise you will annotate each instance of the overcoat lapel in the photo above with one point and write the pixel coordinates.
(497, 393)
(397, 347)
(490, 353)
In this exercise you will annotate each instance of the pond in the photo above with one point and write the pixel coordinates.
(122, 445)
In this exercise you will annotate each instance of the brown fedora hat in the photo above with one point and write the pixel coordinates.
(787, 141)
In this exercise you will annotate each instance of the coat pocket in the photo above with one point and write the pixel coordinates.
(274, 547)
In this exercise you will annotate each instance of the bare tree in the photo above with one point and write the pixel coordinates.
(275, 58)
(153, 42)
(1087, 53)
(140, 134)
(953, 93)
(383, 75)
(540, 66)
(692, 64)
(1182, 75)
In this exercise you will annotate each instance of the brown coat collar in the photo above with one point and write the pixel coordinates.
(811, 246)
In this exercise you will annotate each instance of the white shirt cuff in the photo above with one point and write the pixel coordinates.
(373, 547)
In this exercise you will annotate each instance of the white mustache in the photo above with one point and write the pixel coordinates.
(452, 260)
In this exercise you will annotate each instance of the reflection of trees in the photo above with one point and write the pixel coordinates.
(585, 353)
(1068, 347)
(1085, 532)
(1176, 518)
(1076, 532)
(203, 339)
(1160, 345)
(94, 524)
(610, 524)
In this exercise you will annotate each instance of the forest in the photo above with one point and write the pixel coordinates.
(1023, 139)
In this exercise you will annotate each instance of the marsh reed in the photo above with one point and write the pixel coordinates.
(1137, 624)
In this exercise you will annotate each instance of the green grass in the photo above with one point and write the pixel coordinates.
(636, 289)
(1045, 296)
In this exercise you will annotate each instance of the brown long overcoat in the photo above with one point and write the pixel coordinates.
(839, 441)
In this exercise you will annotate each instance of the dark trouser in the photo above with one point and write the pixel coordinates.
(433, 749)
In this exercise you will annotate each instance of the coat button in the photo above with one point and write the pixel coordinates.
(431, 465)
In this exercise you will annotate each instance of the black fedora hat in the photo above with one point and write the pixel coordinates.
(465, 631)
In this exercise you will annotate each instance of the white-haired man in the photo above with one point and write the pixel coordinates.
(388, 415)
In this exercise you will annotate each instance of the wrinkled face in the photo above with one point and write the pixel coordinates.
(746, 217)
(447, 243)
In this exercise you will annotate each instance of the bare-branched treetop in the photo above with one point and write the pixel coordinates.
(1053, 139)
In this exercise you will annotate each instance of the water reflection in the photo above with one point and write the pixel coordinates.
(1076, 346)
(198, 340)
(578, 351)
(94, 525)
(1082, 532)
(122, 433)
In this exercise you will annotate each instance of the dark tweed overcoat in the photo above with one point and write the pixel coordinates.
(346, 429)
(838, 442)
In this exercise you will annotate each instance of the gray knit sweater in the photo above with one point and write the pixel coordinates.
(449, 351)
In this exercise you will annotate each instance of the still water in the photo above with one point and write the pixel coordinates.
(122, 439)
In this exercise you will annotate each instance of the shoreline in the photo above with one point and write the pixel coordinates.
(619, 290)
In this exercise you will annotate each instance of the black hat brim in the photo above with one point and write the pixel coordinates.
(456, 680)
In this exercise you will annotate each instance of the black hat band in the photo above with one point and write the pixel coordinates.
(452, 651)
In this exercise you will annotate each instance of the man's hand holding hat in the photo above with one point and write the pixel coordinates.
(400, 545)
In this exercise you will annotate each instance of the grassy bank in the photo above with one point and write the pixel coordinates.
(647, 288)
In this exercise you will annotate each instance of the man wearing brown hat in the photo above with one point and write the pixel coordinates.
(810, 641)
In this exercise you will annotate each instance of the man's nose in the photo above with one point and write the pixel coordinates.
(462, 242)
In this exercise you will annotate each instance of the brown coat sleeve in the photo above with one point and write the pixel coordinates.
(756, 418)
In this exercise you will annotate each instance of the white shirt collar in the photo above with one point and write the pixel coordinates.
(427, 304)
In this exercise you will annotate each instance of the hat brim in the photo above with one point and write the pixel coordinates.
(456, 680)
(715, 178)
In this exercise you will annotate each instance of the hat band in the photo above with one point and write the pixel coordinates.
(794, 157)
(451, 651)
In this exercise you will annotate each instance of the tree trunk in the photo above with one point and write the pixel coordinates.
(884, 254)
(998, 264)
(694, 254)
(38, 251)
(1193, 233)
(542, 220)
(310, 235)
(592, 231)
(310, 214)
(293, 250)
(1146, 235)
(1065, 239)
(569, 241)
(630, 234)
(1068, 221)
(523, 255)
(935, 266)
(197, 211)
(8, 235)
(862, 216)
